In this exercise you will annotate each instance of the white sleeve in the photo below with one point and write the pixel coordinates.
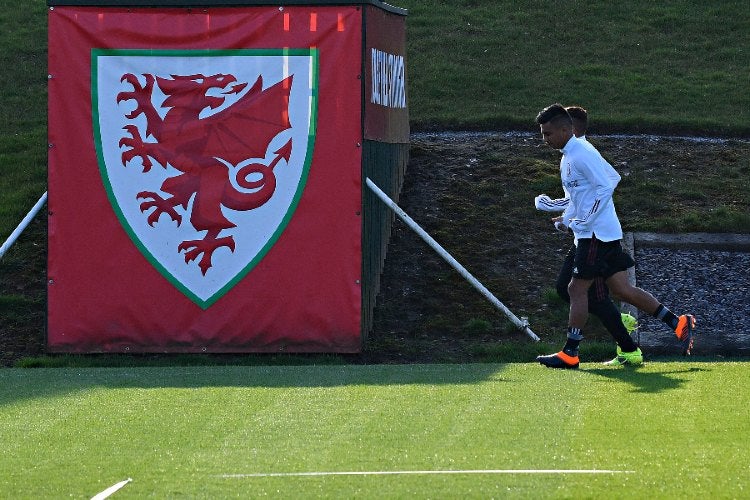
(547, 204)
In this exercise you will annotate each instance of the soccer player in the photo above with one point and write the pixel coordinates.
(619, 325)
(580, 120)
(588, 182)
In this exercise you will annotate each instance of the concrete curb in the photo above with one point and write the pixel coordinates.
(706, 241)
(693, 241)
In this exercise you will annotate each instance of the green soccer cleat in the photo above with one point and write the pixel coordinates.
(631, 324)
(634, 358)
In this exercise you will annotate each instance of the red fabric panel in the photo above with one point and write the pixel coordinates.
(105, 295)
(386, 101)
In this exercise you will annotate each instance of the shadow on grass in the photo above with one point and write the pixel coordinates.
(648, 381)
(20, 384)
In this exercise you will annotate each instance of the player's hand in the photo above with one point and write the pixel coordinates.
(540, 200)
(559, 224)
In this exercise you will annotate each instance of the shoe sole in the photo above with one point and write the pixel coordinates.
(561, 367)
(626, 363)
(687, 343)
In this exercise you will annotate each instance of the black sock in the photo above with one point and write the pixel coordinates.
(666, 316)
(611, 318)
(574, 338)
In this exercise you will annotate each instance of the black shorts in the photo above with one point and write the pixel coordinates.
(596, 258)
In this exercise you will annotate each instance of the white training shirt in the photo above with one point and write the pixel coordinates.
(588, 183)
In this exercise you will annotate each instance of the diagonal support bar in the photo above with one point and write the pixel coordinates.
(522, 324)
(25, 222)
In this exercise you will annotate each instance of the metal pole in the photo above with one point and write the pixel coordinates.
(522, 324)
(25, 222)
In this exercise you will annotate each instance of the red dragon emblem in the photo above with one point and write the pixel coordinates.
(200, 148)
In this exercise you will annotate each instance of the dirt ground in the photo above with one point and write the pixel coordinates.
(474, 194)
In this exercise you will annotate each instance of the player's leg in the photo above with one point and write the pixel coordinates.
(682, 325)
(610, 316)
(602, 306)
(619, 284)
(578, 290)
(583, 273)
(628, 352)
(566, 274)
(600, 303)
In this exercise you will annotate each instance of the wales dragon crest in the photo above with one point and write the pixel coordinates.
(205, 167)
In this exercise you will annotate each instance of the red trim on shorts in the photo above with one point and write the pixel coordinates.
(593, 247)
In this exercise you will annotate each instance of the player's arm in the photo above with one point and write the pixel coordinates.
(547, 204)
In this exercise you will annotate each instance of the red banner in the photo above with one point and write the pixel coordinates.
(204, 179)
(386, 100)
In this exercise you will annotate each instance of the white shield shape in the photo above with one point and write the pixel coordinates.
(204, 155)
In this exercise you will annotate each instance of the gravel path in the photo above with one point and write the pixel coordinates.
(713, 285)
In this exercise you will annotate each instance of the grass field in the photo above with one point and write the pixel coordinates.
(637, 65)
(667, 430)
(23, 115)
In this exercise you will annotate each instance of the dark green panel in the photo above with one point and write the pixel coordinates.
(385, 164)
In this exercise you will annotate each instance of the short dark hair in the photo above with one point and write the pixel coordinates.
(554, 113)
(579, 116)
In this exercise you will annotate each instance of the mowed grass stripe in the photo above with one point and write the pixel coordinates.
(176, 431)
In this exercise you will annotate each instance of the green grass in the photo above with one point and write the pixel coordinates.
(23, 92)
(696, 191)
(674, 426)
(638, 66)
